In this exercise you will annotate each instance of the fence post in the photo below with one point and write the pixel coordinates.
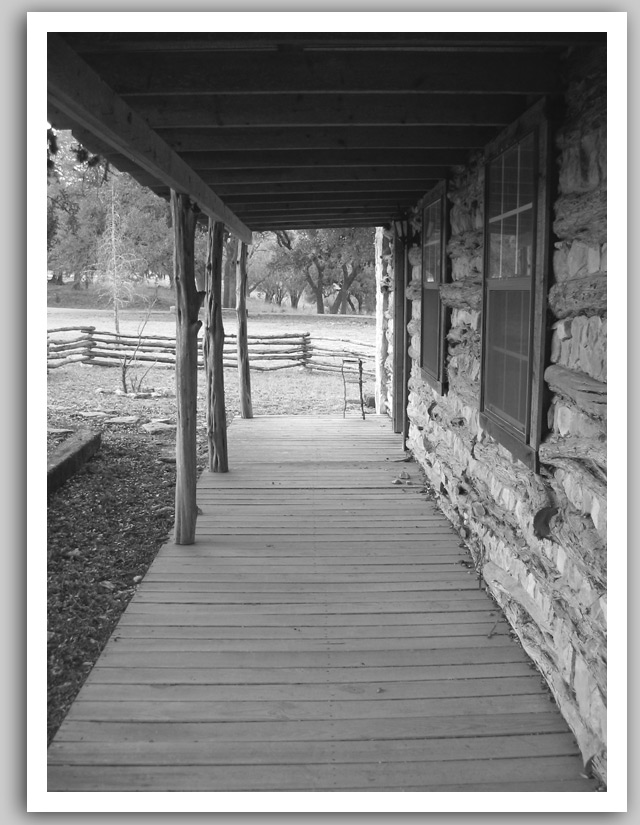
(307, 350)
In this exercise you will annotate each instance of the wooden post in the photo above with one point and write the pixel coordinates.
(187, 326)
(244, 373)
(213, 345)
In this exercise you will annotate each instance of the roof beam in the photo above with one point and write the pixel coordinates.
(331, 178)
(314, 138)
(117, 42)
(324, 223)
(77, 91)
(326, 175)
(250, 111)
(293, 198)
(236, 72)
(312, 159)
(236, 191)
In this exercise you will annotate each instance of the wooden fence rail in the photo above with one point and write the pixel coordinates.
(68, 345)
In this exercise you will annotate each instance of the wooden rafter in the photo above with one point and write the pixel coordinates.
(270, 138)
(77, 91)
(269, 72)
(118, 42)
(286, 110)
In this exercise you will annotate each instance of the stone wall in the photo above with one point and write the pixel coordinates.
(538, 539)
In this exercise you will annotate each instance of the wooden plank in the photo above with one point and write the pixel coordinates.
(270, 138)
(347, 633)
(310, 110)
(299, 711)
(386, 43)
(442, 614)
(297, 73)
(291, 753)
(77, 91)
(334, 675)
(440, 590)
(285, 643)
(316, 660)
(354, 692)
(310, 646)
(278, 587)
(508, 724)
(373, 775)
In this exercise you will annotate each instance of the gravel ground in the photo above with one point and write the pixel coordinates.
(106, 524)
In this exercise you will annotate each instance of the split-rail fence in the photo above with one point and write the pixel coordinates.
(86, 344)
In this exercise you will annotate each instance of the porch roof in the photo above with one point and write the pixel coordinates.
(298, 130)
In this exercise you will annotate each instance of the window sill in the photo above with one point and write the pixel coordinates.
(439, 386)
(518, 449)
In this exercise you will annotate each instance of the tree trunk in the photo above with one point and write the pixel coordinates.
(340, 303)
(213, 345)
(187, 326)
(317, 289)
(244, 373)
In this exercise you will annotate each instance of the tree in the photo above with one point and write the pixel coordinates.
(353, 256)
(117, 260)
(335, 262)
(79, 198)
(284, 278)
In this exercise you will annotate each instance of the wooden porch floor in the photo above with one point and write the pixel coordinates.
(322, 634)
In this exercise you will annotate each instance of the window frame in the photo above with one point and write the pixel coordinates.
(524, 445)
(436, 379)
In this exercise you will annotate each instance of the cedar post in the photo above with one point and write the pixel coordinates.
(187, 326)
(244, 374)
(213, 345)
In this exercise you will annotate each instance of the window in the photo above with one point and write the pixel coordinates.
(515, 285)
(434, 273)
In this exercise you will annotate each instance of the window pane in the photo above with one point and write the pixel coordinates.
(525, 244)
(510, 183)
(495, 189)
(430, 330)
(431, 243)
(507, 357)
(509, 244)
(527, 171)
(495, 249)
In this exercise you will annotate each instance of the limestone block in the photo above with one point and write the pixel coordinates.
(598, 513)
(561, 559)
(589, 699)
(465, 317)
(560, 266)
(578, 259)
(563, 643)
(583, 164)
(563, 329)
(594, 261)
(569, 420)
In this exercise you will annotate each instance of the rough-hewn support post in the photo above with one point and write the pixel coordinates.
(213, 344)
(244, 373)
(187, 326)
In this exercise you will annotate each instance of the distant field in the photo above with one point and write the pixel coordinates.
(356, 327)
